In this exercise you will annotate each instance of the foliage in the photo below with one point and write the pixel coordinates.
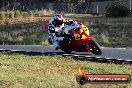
(73, 6)
(2, 15)
(117, 9)
(17, 13)
(38, 38)
(10, 15)
(108, 32)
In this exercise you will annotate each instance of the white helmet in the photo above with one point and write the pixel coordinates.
(58, 19)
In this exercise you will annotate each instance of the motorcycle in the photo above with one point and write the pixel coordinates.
(74, 40)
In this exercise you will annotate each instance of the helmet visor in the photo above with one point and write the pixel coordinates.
(59, 22)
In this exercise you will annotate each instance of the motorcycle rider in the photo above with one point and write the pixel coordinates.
(72, 25)
(55, 30)
(56, 26)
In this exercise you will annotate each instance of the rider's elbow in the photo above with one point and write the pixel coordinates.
(51, 30)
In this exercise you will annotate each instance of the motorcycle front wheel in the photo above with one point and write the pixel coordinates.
(95, 47)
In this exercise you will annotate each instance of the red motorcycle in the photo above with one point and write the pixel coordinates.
(79, 41)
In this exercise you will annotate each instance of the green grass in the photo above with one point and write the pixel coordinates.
(23, 71)
(108, 32)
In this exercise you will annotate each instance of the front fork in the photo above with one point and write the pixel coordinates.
(87, 46)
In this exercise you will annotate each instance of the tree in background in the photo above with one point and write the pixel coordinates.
(117, 9)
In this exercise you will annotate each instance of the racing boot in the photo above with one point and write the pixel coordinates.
(56, 45)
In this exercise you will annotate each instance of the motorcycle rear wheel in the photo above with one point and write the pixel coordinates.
(67, 51)
(65, 47)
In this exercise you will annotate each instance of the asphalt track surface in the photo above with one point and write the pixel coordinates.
(108, 54)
